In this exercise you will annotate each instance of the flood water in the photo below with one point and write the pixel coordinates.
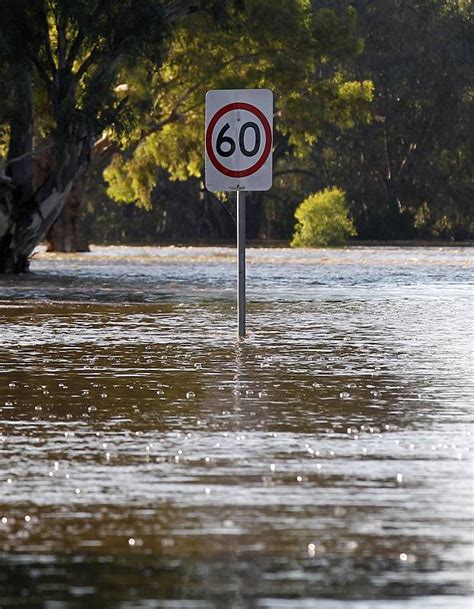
(149, 460)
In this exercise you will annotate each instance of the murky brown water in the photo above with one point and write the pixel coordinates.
(149, 460)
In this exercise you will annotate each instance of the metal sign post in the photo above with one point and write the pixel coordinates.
(241, 262)
(239, 132)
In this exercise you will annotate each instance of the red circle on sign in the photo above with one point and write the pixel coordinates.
(266, 150)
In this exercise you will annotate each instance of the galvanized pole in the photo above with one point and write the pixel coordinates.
(241, 262)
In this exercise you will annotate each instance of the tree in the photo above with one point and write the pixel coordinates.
(62, 58)
(284, 45)
(408, 173)
(323, 220)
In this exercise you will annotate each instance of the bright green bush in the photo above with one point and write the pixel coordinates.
(323, 220)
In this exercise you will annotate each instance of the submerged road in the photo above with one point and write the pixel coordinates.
(148, 459)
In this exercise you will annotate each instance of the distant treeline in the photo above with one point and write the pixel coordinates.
(102, 106)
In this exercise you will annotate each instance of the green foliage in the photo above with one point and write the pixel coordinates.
(409, 173)
(323, 220)
(388, 119)
(375, 96)
(76, 49)
(284, 45)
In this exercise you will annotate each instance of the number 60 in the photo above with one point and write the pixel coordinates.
(225, 139)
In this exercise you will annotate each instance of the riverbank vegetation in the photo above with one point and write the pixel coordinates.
(323, 220)
(102, 104)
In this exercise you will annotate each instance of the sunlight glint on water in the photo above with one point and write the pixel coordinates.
(148, 459)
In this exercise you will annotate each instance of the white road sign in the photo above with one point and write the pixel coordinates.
(239, 132)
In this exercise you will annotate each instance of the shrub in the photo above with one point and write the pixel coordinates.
(323, 220)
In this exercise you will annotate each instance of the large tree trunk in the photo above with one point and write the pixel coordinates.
(26, 214)
(20, 160)
(67, 232)
(7, 188)
(29, 219)
(17, 185)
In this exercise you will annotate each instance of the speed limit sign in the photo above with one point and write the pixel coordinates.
(239, 131)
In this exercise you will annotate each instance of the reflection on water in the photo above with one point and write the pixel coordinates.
(148, 459)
